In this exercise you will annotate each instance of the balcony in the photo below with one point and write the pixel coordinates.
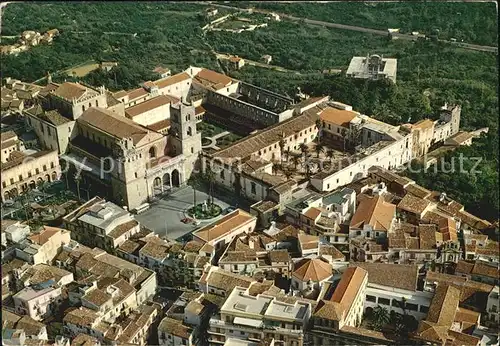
(268, 325)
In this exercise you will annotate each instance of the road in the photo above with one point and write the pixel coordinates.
(360, 29)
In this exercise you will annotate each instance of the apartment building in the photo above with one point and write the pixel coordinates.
(101, 223)
(220, 282)
(479, 271)
(394, 287)
(414, 243)
(186, 319)
(133, 329)
(9, 143)
(374, 218)
(491, 317)
(43, 246)
(254, 318)
(479, 247)
(84, 261)
(342, 309)
(110, 298)
(24, 171)
(322, 215)
(175, 264)
(33, 329)
(172, 332)
(14, 232)
(40, 273)
(38, 301)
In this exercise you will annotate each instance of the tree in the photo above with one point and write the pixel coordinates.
(282, 146)
(287, 153)
(295, 160)
(380, 318)
(210, 178)
(330, 153)
(194, 181)
(319, 148)
(40, 185)
(343, 132)
(276, 168)
(78, 179)
(288, 174)
(355, 136)
(304, 149)
(318, 126)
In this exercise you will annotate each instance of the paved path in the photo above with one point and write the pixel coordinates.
(164, 217)
(213, 140)
(360, 29)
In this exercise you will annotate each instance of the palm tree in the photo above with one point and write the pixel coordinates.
(355, 136)
(330, 154)
(295, 160)
(282, 146)
(287, 153)
(194, 181)
(276, 168)
(380, 318)
(288, 174)
(318, 126)
(78, 179)
(319, 148)
(307, 165)
(343, 132)
(210, 177)
(304, 149)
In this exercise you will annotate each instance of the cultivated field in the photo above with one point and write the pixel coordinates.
(83, 70)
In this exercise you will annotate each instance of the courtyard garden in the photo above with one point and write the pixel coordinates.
(203, 211)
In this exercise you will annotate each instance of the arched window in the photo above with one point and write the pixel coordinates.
(222, 174)
(189, 131)
(83, 108)
(152, 152)
(96, 103)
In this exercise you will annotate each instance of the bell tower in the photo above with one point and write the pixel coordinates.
(183, 135)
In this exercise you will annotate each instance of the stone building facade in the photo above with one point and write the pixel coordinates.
(24, 172)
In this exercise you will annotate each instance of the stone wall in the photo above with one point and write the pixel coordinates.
(264, 98)
(243, 109)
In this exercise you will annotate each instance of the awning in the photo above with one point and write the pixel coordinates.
(248, 322)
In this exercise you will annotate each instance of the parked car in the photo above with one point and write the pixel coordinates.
(228, 210)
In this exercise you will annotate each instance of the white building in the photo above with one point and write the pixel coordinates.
(101, 223)
(39, 301)
(248, 317)
(373, 67)
(492, 308)
(43, 246)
